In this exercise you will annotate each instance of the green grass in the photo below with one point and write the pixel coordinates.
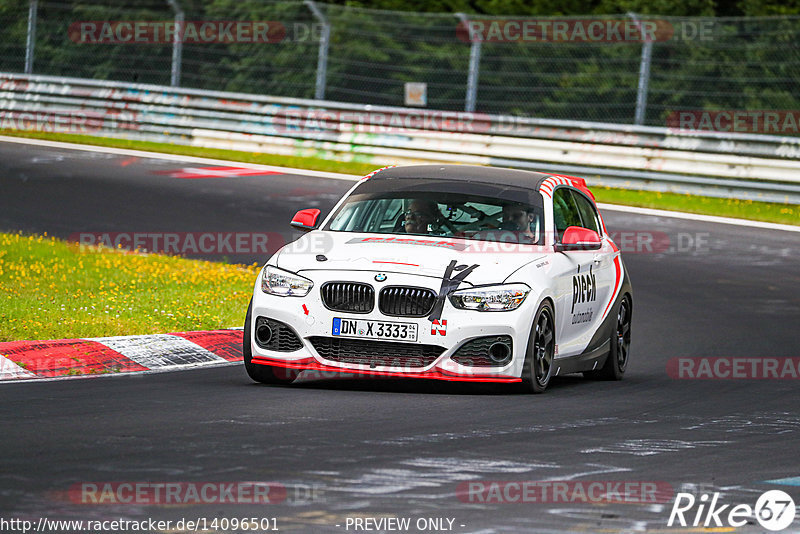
(51, 289)
(743, 209)
(723, 207)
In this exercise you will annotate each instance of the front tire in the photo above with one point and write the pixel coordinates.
(617, 360)
(538, 367)
(265, 374)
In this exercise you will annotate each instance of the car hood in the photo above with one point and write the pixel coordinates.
(418, 255)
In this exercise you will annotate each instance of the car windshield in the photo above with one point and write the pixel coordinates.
(483, 212)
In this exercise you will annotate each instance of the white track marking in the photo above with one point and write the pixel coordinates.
(698, 217)
(352, 178)
(160, 351)
(11, 371)
(649, 447)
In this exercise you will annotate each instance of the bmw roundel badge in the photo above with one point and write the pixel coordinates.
(380, 277)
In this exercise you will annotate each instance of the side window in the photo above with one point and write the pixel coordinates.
(588, 213)
(388, 214)
(346, 219)
(565, 211)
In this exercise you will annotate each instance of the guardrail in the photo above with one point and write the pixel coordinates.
(759, 167)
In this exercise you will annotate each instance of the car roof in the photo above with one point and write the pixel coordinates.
(466, 173)
(532, 180)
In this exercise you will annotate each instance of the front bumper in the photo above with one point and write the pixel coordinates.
(309, 317)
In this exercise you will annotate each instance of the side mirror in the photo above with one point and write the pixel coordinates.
(577, 238)
(305, 220)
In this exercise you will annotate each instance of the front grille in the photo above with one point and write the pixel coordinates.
(401, 301)
(283, 339)
(475, 353)
(351, 297)
(376, 353)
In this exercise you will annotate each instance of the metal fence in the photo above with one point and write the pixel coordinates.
(758, 167)
(487, 64)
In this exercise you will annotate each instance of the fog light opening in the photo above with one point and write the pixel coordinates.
(263, 333)
(499, 352)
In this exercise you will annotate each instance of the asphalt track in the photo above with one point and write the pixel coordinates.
(390, 448)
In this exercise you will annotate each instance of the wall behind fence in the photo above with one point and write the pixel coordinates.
(594, 69)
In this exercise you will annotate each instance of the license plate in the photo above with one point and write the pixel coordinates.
(374, 329)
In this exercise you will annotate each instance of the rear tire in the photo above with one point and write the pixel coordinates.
(538, 367)
(266, 374)
(617, 360)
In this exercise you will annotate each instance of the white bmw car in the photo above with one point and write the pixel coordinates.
(446, 272)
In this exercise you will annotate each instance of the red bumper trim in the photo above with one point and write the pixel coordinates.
(310, 364)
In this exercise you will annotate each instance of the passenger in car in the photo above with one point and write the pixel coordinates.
(518, 219)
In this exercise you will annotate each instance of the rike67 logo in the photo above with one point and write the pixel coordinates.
(774, 510)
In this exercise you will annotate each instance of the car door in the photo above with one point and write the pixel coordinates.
(572, 274)
(591, 305)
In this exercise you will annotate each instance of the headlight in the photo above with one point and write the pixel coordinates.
(492, 298)
(284, 283)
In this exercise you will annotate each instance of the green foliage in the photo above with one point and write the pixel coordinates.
(763, 8)
(678, 8)
(14, 24)
(733, 63)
